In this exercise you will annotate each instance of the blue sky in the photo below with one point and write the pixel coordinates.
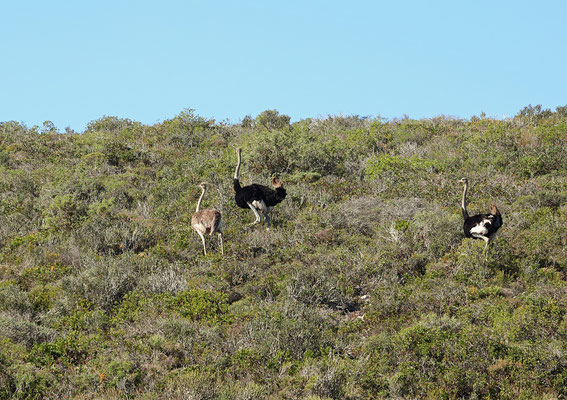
(73, 62)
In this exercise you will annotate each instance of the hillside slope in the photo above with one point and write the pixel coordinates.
(364, 288)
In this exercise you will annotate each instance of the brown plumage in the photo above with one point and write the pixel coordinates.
(207, 221)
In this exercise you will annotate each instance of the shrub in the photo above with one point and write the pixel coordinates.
(30, 382)
(271, 119)
(107, 281)
(287, 331)
(123, 375)
(200, 304)
(23, 331)
(110, 124)
(192, 384)
(14, 299)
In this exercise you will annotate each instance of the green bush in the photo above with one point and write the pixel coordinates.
(199, 304)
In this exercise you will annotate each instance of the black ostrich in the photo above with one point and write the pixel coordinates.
(480, 226)
(258, 198)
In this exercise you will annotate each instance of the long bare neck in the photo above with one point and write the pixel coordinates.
(464, 202)
(200, 200)
(237, 165)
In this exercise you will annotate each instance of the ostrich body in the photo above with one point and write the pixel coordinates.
(258, 198)
(480, 226)
(207, 221)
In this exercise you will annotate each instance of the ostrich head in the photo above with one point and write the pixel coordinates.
(203, 185)
(276, 182)
(464, 180)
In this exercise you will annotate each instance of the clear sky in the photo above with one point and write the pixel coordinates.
(72, 62)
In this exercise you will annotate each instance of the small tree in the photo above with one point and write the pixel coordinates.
(534, 113)
(48, 127)
(247, 122)
(110, 124)
(562, 111)
(271, 119)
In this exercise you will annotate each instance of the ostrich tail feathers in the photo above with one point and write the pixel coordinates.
(498, 220)
(494, 210)
(276, 183)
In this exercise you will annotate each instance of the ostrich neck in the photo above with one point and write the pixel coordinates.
(464, 202)
(200, 199)
(237, 167)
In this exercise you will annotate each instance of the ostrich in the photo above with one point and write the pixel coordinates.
(257, 197)
(480, 226)
(206, 221)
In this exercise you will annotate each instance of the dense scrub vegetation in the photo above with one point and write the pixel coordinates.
(364, 288)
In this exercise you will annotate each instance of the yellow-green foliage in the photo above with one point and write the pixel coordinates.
(365, 287)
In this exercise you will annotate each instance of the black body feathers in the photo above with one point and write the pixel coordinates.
(482, 225)
(258, 198)
(256, 192)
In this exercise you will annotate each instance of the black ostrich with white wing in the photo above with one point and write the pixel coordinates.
(259, 198)
(480, 226)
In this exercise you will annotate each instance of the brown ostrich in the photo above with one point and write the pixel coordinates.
(207, 221)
